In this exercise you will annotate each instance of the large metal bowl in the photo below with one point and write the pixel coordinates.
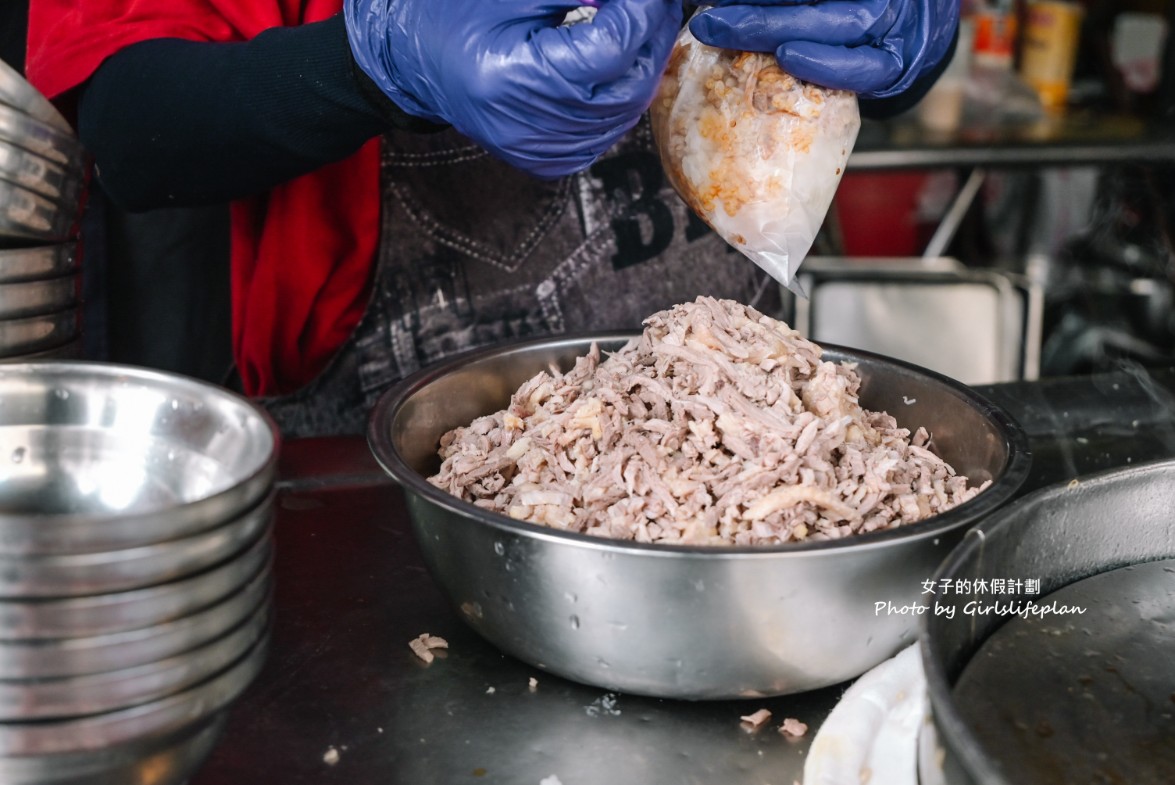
(683, 622)
(103, 457)
(41, 138)
(1061, 536)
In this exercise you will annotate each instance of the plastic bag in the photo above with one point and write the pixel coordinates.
(757, 154)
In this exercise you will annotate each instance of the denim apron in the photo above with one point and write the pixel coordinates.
(474, 253)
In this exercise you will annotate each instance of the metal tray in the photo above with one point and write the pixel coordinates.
(32, 334)
(25, 215)
(39, 174)
(15, 91)
(38, 262)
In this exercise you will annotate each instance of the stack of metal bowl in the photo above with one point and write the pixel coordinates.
(41, 176)
(135, 569)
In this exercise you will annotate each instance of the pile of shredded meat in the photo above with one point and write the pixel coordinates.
(718, 425)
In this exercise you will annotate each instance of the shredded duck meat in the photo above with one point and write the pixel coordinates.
(718, 425)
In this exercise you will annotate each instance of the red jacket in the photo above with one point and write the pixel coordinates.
(302, 254)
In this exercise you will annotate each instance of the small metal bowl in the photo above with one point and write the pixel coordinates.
(26, 700)
(41, 138)
(32, 334)
(674, 621)
(170, 760)
(38, 745)
(38, 262)
(71, 350)
(36, 298)
(40, 175)
(105, 614)
(16, 92)
(97, 456)
(104, 572)
(52, 658)
(25, 216)
(1060, 536)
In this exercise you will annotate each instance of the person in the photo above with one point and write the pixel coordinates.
(415, 178)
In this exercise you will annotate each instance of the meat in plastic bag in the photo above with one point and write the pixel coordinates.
(756, 153)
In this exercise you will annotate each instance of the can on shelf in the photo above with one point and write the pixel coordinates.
(1051, 34)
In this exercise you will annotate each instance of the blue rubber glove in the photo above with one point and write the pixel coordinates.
(877, 48)
(544, 97)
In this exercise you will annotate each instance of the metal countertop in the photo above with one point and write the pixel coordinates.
(352, 591)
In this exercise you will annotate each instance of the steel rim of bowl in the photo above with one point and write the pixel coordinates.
(36, 262)
(101, 614)
(106, 572)
(15, 91)
(39, 174)
(166, 716)
(1003, 486)
(62, 657)
(70, 350)
(31, 334)
(25, 215)
(95, 693)
(947, 718)
(121, 530)
(27, 299)
(167, 760)
(29, 133)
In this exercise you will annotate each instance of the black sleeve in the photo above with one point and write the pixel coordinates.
(180, 123)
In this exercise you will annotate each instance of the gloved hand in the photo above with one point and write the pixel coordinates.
(876, 48)
(546, 98)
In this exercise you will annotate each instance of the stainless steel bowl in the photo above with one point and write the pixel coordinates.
(37, 173)
(683, 622)
(25, 215)
(16, 92)
(72, 350)
(33, 334)
(51, 658)
(100, 457)
(1060, 536)
(38, 262)
(170, 760)
(38, 744)
(41, 138)
(104, 572)
(25, 700)
(104, 614)
(34, 298)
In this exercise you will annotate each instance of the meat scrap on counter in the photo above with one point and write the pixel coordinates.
(793, 728)
(756, 720)
(423, 645)
(718, 425)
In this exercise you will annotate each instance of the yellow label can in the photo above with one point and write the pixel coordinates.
(1051, 34)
